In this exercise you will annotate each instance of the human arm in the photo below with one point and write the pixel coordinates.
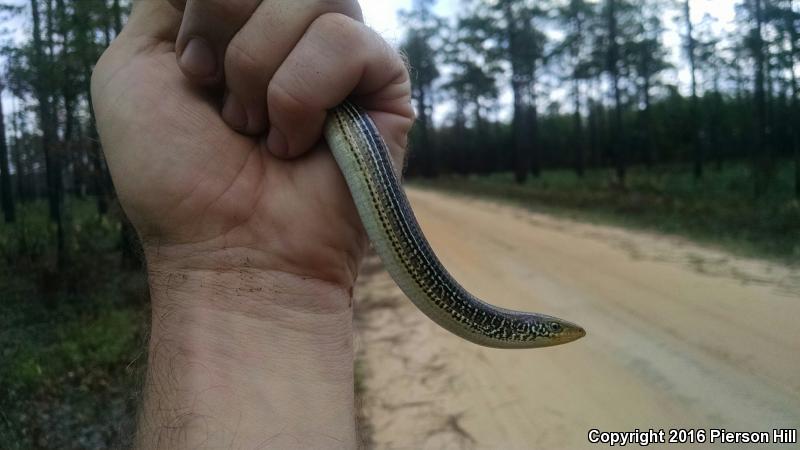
(251, 257)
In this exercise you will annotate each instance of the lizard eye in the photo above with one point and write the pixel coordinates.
(555, 327)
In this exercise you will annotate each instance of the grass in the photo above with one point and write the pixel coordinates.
(719, 210)
(71, 339)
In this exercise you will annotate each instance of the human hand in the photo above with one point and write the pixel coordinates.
(202, 195)
(252, 244)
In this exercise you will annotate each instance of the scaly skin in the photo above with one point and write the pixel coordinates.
(390, 223)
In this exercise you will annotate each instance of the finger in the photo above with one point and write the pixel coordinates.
(337, 58)
(259, 48)
(206, 30)
(153, 20)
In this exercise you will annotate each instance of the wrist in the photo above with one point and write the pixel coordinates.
(308, 259)
(238, 345)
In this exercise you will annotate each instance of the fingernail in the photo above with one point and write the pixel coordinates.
(276, 143)
(234, 114)
(198, 58)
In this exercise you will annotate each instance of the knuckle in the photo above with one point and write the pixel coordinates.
(283, 99)
(227, 10)
(348, 32)
(242, 58)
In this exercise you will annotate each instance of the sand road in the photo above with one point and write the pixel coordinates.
(679, 336)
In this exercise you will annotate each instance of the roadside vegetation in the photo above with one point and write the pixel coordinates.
(72, 340)
(567, 106)
(718, 210)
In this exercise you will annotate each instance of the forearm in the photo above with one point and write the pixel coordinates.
(248, 358)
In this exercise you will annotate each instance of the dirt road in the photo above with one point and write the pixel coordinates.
(678, 337)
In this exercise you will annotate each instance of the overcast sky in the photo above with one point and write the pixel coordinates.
(381, 15)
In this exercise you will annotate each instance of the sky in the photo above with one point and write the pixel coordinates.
(382, 16)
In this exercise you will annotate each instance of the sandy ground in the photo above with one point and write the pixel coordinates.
(679, 336)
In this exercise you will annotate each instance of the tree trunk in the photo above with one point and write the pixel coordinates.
(100, 178)
(69, 98)
(761, 155)
(696, 144)
(73, 154)
(486, 159)
(69, 132)
(99, 173)
(52, 163)
(579, 158)
(796, 134)
(520, 121)
(459, 154)
(592, 157)
(616, 147)
(769, 97)
(743, 146)
(532, 123)
(22, 191)
(520, 159)
(649, 155)
(117, 11)
(716, 125)
(577, 124)
(5, 175)
(795, 103)
(108, 25)
(595, 156)
(429, 160)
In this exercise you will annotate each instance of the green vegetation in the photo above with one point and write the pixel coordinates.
(592, 84)
(719, 209)
(591, 87)
(72, 340)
